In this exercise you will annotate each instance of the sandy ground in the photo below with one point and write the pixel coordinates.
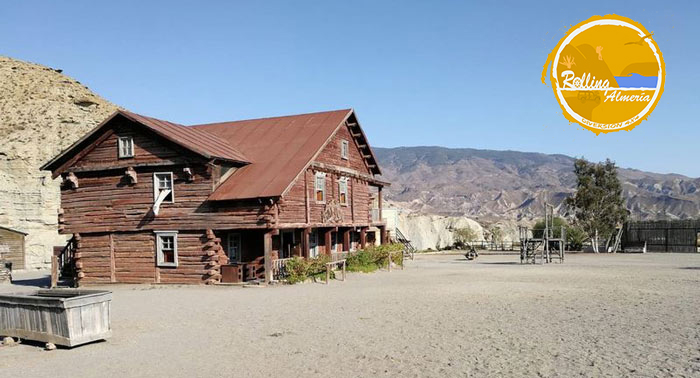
(606, 315)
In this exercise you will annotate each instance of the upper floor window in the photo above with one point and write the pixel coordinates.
(344, 147)
(343, 190)
(126, 147)
(166, 247)
(163, 183)
(320, 187)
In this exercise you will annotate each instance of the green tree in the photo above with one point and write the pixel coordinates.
(496, 234)
(575, 236)
(464, 237)
(538, 229)
(598, 203)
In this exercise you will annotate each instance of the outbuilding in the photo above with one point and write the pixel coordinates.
(12, 246)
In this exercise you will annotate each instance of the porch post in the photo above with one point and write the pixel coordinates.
(327, 240)
(267, 248)
(363, 237)
(305, 242)
(382, 235)
(346, 240)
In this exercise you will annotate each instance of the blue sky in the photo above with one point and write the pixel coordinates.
(417, 73)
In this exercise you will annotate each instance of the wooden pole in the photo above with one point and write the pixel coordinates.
(327, 240)
(305, 242)
(112, 262)
(363, 237)
(346, 240)
(267, 250)
(54, 271)
(382, 235)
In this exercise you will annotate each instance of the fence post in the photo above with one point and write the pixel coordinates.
(54, 271)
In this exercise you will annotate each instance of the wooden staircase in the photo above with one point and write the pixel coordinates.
(65, 263)
(409, 250)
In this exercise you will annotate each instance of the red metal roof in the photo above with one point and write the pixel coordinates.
(279, 149)
(200, 142)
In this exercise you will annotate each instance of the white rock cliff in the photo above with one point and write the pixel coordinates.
(42, 112)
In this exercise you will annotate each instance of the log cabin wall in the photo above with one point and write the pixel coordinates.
(106, 200)
(148, 148)
(130, 257)
(357, 211)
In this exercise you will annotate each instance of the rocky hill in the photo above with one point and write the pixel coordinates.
(42, 111)
(488, 185)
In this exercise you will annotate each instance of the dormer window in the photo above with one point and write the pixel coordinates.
(344, 147)
(126, 147)
(320, 187)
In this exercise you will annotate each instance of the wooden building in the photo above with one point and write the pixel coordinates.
(12, 247)
(152, 201)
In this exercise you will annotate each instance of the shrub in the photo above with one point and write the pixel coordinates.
(366, 260)
(374, 257)
(300, 270)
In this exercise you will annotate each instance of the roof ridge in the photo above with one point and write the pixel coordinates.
(273, 117)
(189, 133)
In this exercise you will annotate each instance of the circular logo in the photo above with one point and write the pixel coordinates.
(607, 73)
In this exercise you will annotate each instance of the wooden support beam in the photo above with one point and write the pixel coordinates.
(383, 235)
(267, 253)
(346, 240)
(131, 175)
(327, 240)
(71, 181)
(363, 237)
(305, 242)
(112, 262)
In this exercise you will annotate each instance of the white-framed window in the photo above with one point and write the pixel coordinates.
(344, 147)
(343, 190)
(320, 187)
(166, 248)
(233, 246)
(126, 147)
(163, 181)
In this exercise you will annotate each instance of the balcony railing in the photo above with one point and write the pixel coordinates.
(279, 268)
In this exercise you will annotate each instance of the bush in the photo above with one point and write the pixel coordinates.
(366, 260)
(575, 237)
(300, 270)
(374, 257)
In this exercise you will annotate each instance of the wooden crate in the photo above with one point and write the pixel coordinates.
(67, 317)
(232, 273)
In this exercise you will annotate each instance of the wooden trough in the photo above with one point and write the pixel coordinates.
(67, 317)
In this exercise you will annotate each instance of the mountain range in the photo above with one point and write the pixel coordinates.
(493, 185)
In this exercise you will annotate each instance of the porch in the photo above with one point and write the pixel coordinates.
(259, 255)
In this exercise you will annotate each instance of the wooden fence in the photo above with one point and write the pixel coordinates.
(663, 236)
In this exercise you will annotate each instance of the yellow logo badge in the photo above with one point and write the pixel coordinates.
(607, 73)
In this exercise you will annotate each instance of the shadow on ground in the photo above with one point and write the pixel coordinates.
(43, 281)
